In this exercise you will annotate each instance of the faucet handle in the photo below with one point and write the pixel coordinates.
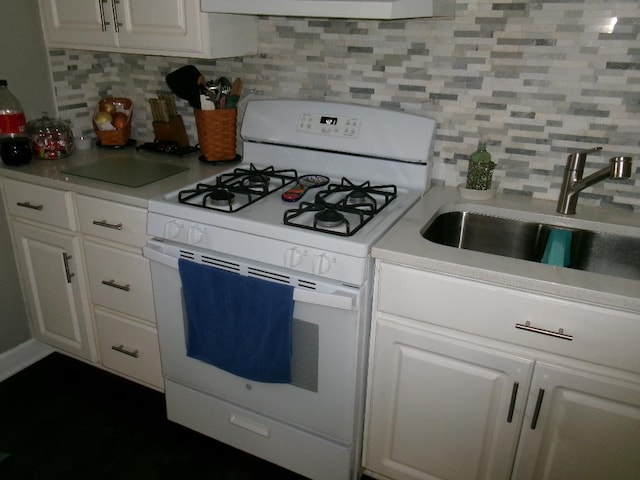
(576, 161)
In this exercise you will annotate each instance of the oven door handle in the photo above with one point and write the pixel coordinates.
(335, 299)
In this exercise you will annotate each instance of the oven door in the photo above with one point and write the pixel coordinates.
(328, 344)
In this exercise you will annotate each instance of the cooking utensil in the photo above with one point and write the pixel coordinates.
(234, 95)
(218, 91)
(184, 82)
(304, 183)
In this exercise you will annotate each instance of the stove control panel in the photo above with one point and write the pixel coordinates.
(329, 125)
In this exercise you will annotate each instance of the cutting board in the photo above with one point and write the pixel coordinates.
(126, 172)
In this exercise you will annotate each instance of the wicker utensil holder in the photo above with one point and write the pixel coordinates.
(217, 134)
(115, 137)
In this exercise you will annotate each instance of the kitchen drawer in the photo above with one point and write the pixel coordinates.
(113, 221)
(598, 335)
(42, 204)
(129, 348)
(120, 280)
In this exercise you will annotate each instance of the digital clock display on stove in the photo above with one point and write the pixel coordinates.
(325, 120)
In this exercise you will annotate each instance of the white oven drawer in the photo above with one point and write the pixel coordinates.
(42, 204)
(129, 348)
(113, 221)
(120, 280)
(264, 437)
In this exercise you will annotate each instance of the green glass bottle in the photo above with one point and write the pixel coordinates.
(480, 169)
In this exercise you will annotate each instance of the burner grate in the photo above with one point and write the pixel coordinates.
(353, 218)
(342, 208)
(238, 189)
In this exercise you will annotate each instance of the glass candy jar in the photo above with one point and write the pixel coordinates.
(50, 138)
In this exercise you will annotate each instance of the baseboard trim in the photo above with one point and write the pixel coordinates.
(20, 357)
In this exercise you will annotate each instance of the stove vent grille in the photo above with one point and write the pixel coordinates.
(248, 270)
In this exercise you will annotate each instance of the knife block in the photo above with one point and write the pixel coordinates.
(172, 131)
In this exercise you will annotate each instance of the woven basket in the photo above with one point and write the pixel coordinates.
(115, 137)
(217, 134)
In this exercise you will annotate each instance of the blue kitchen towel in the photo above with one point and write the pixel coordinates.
(558, 249)
(240, 324)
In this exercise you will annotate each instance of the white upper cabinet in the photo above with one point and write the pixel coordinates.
(366, 9)
(151, 27)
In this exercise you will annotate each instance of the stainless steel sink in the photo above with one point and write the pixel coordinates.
(591, 251)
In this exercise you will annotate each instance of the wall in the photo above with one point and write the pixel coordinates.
(23, 63)
(536, 79)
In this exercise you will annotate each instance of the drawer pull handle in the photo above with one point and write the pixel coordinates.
(512, 404)
(250, 425)
(65, 260)
(117, 24)
(112, 283)
(536, 412)
(30, 205)
(104, 223)
(122, 349)
(103, 22)
(559, 334)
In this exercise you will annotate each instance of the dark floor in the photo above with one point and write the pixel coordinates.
(63, 419)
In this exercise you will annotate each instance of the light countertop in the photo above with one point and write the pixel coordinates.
(49, 173)
(403, 244)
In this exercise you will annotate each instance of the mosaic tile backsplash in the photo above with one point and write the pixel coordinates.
(535, 79)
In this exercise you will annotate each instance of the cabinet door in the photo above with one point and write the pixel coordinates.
(81, 23)
(164, 25)
(442, 408)
(54, 288)
(579, 425)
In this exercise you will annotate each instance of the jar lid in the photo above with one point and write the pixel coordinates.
(48, 125)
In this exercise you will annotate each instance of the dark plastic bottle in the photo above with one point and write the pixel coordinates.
(14, 142)
(12, 119)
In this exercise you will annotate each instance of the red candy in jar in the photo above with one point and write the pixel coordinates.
(50, 139)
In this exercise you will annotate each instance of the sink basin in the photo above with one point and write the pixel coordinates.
(592, 251)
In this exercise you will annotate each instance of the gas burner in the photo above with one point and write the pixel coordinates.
(329, 218)
(220, 197)
(357, 197)
(256, 182)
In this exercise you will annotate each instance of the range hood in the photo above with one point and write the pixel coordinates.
(362, 9)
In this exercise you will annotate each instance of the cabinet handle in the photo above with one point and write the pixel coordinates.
(559, 334)
(65, 259)
(112, 283)
(536, 412)
(103, 21)
(512, 404)
(104, 223)
(30, 205)
(116, 23)
(122, 349)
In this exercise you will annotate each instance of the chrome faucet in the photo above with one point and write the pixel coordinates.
(573, 183)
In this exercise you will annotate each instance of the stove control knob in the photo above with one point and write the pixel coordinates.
(172, 229)
(321, 264)
(195, 234)
(292, 257)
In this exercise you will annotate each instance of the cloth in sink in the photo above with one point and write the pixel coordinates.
(558, 249)
(240, 324)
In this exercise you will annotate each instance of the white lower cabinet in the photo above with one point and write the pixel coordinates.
(120, 285)
(441, 408)
(129, 347)
(55, 292)
(580, 425)
(444, 403)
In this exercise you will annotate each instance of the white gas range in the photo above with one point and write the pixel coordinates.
(377, 164)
